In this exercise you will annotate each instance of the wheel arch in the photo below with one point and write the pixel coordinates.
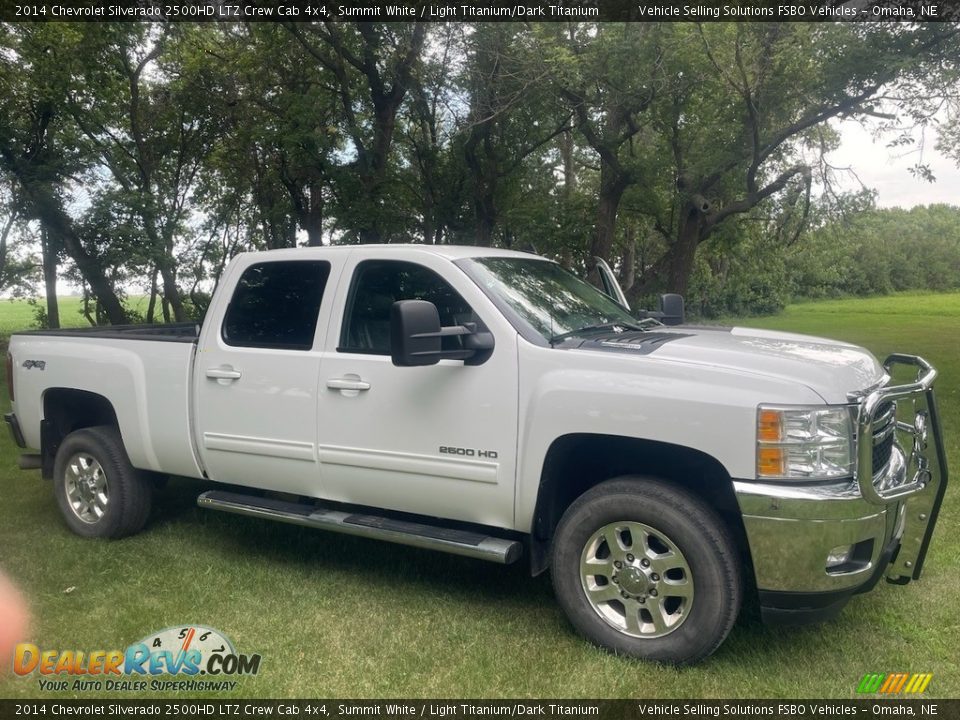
(66, 410)
(577, 462)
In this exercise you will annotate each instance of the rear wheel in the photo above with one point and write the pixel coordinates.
(646, 569)
(99, 492)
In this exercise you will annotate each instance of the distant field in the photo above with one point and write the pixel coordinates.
(928, 324)
(22, 314)
(336, 616)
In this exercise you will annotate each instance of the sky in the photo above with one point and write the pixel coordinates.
(886, 169)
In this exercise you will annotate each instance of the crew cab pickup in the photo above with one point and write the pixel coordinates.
(491, 404)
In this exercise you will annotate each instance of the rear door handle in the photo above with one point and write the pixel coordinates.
(347, 383)
(224, 372)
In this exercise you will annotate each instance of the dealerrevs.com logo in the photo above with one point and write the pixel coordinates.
(199, 657)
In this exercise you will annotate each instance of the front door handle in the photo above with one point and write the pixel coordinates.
(224, 372)
(352, 382)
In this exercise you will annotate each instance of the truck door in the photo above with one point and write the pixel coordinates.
(255, 377)
(437, 440)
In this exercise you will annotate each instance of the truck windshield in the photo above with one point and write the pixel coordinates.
(550, 300)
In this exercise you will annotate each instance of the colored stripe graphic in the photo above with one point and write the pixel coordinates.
(871, 683)
(893, 683)
(921, 686)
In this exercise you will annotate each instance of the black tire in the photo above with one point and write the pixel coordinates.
(679, 518)
(128, 493)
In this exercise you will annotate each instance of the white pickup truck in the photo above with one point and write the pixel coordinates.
(489, 403)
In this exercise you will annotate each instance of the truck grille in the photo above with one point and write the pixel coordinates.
(884, 435)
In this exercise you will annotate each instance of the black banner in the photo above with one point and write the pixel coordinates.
(469, 709)
(479, 10)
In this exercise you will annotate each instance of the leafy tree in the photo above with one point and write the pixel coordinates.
(742, 113)
(370, 68)
(512, 117)
(140, 107)
(38, 145)
(605, 73)
(284, 119)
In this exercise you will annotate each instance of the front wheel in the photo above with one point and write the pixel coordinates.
(99, 492)
(646, 569)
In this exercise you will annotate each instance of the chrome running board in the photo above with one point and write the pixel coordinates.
(403, 532)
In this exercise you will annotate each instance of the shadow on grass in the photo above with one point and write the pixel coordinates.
(381, 567)
(371, 561)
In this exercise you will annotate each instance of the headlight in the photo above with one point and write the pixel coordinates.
(804, 443)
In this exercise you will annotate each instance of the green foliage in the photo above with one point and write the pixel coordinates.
(866, 251)
(41, 320)
(747, 275)
(880, 251)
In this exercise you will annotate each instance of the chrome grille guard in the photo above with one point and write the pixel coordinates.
(917, 475)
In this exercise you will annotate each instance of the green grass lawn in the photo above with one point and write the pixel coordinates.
(335, 616)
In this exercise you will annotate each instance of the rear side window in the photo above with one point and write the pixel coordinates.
(276, 305)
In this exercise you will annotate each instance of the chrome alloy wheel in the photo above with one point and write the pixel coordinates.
(86, 486)
(636, 579)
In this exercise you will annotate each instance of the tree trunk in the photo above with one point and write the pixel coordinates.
(89, 267)
(309, 208)
(486, 216)
(312, 222)
(170, 292)
(49, 253)
(427, 228)
(484, 183)
(370, 230)
(372, 169)
(315, 223)
(4, 235)
(86, 311)
(152, 304)
(569, 170)
(370, 235)
(612, 186)
(682, 253)
(314, 236)
(628, 266)
(162, 247)
(45, 206)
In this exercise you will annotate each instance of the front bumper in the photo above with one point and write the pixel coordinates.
(880, 521)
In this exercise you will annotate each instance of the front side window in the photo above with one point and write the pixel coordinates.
(276, 305)
(377, 285)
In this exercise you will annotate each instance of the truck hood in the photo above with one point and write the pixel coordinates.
(830, 368)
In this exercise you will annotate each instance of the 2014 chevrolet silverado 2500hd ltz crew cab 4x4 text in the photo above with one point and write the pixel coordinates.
(491, 404)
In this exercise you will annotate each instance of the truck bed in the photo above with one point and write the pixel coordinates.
(144, 371)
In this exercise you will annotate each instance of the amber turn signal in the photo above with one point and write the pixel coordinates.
(771, 462)
(770, 425)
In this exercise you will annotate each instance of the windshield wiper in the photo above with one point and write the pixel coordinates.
(600, 327)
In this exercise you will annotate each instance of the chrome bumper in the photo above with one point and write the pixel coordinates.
(891, 510)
